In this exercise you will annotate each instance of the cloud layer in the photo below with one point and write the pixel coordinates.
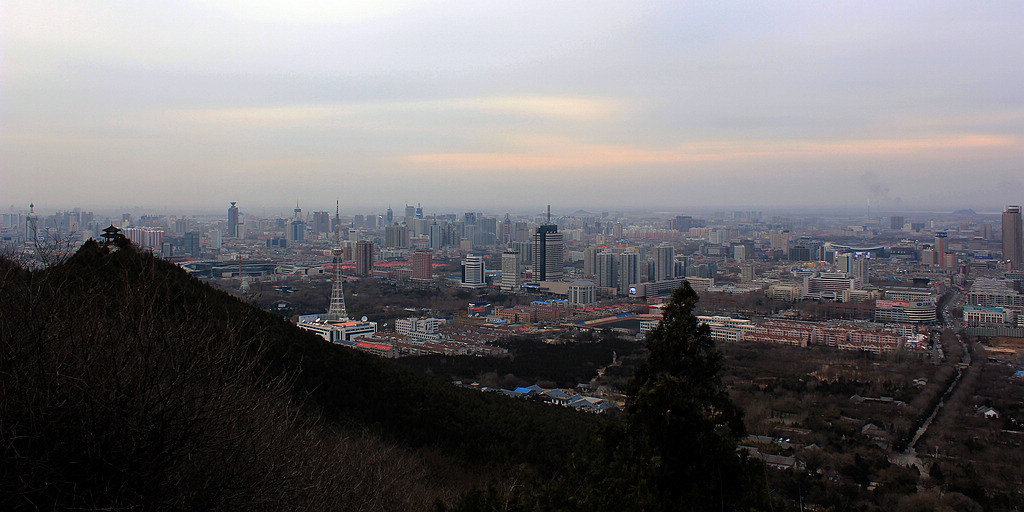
(506, 105)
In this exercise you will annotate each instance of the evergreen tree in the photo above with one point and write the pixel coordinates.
(682, 427)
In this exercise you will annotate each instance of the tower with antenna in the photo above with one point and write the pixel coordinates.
(336, 312)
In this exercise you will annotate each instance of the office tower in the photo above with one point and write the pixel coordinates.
(389, 217)
(233, 221)
(469, 218)
(296, 231)
(617, 231)
(525, 250)
(606, 270)
(629, 271)
(410, 214)
(437, 236)
(487, 229)
(896, 222)
(396, 236)
(1013, 237)
(521, 232)
(422, 265)
(507, 230)
(321, 222)
(547, 253)
(364, 257)
(683, 223)
(337, 311)
(664, 263)
(511, 271)
(193, 244)
(590, 261)
(419, 211)
(940, 248)
(473, 272)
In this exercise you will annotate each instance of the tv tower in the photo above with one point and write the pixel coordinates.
(337, 312)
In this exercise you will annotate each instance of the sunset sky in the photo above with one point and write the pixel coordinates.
(504, 105)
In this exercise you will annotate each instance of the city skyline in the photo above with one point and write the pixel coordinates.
(867, 105)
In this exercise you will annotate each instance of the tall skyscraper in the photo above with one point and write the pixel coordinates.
(1013, 237)
(664, 263)
(629, 271)
(389, 217)
(422, 265)
(396, 236)
(605, 270)
(233, 221)
(896, 222)
(321, 222)
(590, 261)
(437, 236)
(511, 271)
(193, 244)
(473, 272)
(410, 214)
(364, 257)
(548, 252)
(940, 248)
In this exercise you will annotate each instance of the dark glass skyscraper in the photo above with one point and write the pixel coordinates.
(1013, 237)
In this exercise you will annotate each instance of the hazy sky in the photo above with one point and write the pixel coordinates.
(905, 104)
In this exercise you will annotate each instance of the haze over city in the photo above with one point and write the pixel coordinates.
(916, 105)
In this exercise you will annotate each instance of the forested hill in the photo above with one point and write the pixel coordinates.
(126, 383)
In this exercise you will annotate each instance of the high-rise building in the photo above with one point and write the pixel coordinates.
(193, 244)
(396, 236)
(437, 236)
(896, 222)
(507, 230)
(422, 265)
(1013, 237)
(487, 229)
(473, 272)
(233, 221)
(605, 270)
(629, 271)
(364, 257)
(617, 231)
(389, 217)
(664, 263)
(940, 249)
(779, 240)
(548, 253)
(590, 261)
(511, 271)
(683, 223)
(321, 222)
(854, 266)
(410, 213)
(296, 231)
